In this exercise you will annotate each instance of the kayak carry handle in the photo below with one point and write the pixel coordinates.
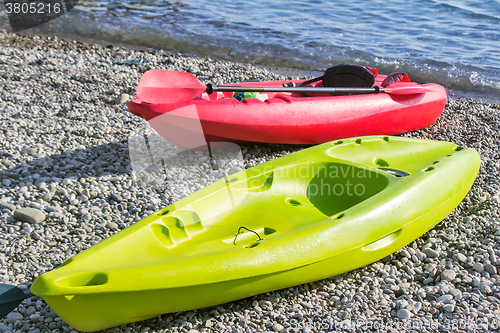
(394, 172)
(239, 233)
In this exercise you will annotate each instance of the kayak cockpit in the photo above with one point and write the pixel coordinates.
(337, 187)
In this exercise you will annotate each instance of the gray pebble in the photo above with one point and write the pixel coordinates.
(448, 275)
(277, 327)
(46, 197)
(13, 317)
(431, 253)
(342, 314)
(265, 303)
(307, 305)
(493, 299)
(5, 328)
(6, 205)
(30, 215)
(428, 280)
(112, 225)
(490, 269)
(41, 180)
(456, 293)
(449, 308)
(444, 299)
(405, 253)
(115, 197)
(8, 163)
(6, 182)
(460, 257)
(35, 317)
(30, 151)
(123, 98)
(52, 209)
(417, 306)
(478, 267)
(234, 170)
(404, 314)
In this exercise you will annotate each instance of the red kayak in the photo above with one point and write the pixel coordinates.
(291, 118)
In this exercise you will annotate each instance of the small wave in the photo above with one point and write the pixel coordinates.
(483, 10)
(480, 80)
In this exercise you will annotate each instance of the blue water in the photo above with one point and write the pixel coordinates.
(454, 43)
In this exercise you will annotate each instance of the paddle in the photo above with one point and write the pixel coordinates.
(11, 297)
(163, 86)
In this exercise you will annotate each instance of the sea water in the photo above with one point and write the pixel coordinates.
(452, 42)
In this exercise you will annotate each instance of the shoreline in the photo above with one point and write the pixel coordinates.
(486, 95)
(64, 150)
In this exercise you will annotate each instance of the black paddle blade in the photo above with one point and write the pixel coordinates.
(10, 298)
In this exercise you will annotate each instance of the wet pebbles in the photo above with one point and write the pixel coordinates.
(67, 182)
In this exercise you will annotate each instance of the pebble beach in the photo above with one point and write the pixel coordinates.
(66, 183)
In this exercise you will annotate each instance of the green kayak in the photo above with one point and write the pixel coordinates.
(310, 215)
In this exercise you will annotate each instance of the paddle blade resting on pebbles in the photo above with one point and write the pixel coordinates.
(10, 297)
(166, 86)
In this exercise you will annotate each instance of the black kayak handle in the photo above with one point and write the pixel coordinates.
(239, 233)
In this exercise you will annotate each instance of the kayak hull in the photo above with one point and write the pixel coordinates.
(141, 305)
(216, 264)
(292, 118)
